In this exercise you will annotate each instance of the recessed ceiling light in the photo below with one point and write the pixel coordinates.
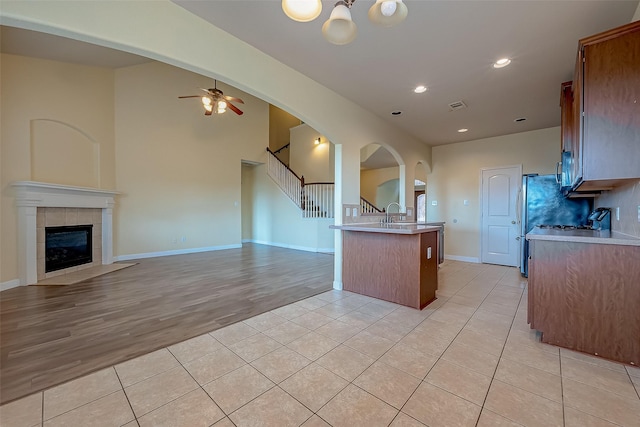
(503, 62)
(520, 119)
(396, 113)
(420, 89)
(463, 130)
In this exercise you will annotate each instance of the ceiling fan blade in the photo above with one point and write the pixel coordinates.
(231, 98)
(206, 90)
(190, 96)
(234, 109)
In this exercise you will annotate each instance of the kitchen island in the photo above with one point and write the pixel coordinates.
(395, 262)
(584, 291)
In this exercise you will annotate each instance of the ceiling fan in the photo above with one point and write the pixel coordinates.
(216, 102)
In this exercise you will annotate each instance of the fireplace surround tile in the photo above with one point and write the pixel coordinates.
(71, 216)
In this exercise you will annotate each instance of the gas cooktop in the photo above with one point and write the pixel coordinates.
(565, 227)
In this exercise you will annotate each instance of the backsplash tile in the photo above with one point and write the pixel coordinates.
(627, 198)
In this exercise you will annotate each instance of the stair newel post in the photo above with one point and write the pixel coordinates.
(303, 199)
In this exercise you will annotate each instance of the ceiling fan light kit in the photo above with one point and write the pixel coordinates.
(340, 29)
(217, 102)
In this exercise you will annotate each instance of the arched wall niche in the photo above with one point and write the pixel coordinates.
(63, 154)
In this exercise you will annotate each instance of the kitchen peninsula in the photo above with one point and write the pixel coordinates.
(396, 262)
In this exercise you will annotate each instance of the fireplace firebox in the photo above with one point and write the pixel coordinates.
(67, 246)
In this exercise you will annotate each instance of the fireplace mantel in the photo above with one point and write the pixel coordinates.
(31, 195)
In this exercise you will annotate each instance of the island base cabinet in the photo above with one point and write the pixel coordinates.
(586, 297)
(391, 267)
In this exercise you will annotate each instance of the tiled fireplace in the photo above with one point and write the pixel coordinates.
(42, 205)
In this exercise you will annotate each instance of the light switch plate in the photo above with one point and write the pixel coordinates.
(638, 213)
(429, 252)
(355, 212)
(348, 211)
(434, 203)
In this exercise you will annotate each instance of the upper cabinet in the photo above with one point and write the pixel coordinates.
(601, 112)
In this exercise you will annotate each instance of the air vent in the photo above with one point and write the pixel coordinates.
(458, 105)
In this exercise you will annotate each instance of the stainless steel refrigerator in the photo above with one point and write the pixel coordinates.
(544, 204)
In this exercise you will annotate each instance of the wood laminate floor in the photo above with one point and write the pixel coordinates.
(49, 335)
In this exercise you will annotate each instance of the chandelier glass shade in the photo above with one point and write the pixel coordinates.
(339, 28)
(302, 10)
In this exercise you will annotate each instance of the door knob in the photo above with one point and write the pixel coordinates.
(517, 238)
(513, 222)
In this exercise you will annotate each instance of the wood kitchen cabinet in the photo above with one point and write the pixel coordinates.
(601, 126)
(401, 268)
(586, 297)
(566, 118)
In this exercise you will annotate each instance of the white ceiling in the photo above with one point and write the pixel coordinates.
(448, 46)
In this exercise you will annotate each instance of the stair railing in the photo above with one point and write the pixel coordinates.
(368, 207)
(318, 200)
(286, 179)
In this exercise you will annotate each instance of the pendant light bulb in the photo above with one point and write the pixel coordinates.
(339, 28)
(387, 13)
(221, 107)
(302, 10)
(206, 100)
(388, 7)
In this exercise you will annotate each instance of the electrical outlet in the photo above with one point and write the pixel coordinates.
(183, 239)
(434, 203)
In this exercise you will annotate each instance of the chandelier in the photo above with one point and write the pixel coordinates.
(339, 28)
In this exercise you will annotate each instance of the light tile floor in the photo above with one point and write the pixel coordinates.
(341, 359)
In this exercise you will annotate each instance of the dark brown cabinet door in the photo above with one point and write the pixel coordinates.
(612, 107)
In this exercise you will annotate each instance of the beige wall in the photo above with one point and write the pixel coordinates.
(276, 220)
(371, 179)
(279, 124)
(247, 201)
(456, 177)
(179, 170)
(627, 198)
(314, 162)
(636, 16)
(51, 110)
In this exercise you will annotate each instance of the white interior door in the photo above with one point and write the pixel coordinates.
(500, 230)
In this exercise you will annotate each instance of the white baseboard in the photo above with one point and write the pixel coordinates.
(337, 285)
(463, 258)
(10, 284)
(286, 246)
(174, 252)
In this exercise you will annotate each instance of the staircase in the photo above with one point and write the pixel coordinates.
(315, 199)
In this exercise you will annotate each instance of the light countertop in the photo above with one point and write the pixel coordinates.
(583, 236)
(393, 228)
